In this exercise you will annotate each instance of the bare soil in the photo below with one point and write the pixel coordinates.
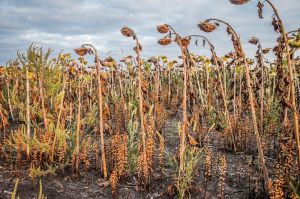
(239, 181)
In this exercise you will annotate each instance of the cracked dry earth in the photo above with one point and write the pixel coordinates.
(62, 185)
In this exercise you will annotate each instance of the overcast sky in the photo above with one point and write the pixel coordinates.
(66, 24)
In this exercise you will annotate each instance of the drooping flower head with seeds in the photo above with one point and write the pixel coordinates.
(253, 41)
(239, 2)
(127, 32)
(163, 28)
(81, 51)
(207, 26)
(165, 41)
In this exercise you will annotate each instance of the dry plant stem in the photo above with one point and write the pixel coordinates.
(143, 133)
(61, 104)
(257, 136)
(120, 84)
(169, 85)
(42, 100)
(58, 120)
(184, 103)
(292, 83)
(199, 88)
(184, 109)
(225, 107)
(224, 78)
(262, 95)
(71, 104)
(240, 92)
(222, 87)
(157, 83)
(262, 87)
(100, 104)
(8, 100)
(234, 94)
(160, 79)
(27, 111)
(224, 95)
(251, 101)
(207, 87)
(112, 80)
(100, 107)
(78, 126)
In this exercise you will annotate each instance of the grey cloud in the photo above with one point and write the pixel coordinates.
(66, 24)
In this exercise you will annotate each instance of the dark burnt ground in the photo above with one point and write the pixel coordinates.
(240, 181)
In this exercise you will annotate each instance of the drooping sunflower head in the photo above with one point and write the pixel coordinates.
(81, 51)
(239, 2)
(207, 26)
(165, 41)
(163, 28)
(127, 32)
(253, 40)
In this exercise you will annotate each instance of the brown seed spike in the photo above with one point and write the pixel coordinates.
(165, 41)
(163, 28)
(239, 2)
(127, 32)
(81, 51)
(207, 27)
